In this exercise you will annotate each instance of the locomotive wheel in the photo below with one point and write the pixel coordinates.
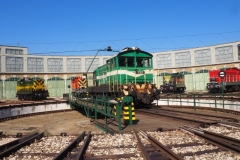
(236, 88)
(20, 97)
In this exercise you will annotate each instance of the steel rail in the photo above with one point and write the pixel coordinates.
(15, 142)
(214, 139)
(84, 147)
(178, 117)
(166, 151)
(70, 147)
(141, 147)
(9, 151)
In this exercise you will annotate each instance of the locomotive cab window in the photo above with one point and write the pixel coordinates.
(122, 62)
(130, 62)
(143, 62)
(126, 62)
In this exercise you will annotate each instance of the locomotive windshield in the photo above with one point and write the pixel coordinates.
(126, 61)
(143, 62)
(131, 62)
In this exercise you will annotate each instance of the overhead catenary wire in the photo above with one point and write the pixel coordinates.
(157, 48)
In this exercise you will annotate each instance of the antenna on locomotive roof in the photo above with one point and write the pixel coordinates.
(109, 48)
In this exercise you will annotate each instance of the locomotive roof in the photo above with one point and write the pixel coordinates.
(129, 49)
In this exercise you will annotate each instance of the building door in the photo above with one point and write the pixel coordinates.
(188, 77)
(56, 87)
(11, 87)
(201, 79)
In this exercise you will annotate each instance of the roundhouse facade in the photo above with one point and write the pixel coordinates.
(58, 71)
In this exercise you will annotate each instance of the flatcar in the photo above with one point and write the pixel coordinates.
(78, 85)
(31, 89)
(230, 83)
(129, 73)
(173, 83)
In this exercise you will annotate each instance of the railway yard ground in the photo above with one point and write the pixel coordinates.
(159, 132)
(74, 122)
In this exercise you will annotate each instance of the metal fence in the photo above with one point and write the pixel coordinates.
(217, 101)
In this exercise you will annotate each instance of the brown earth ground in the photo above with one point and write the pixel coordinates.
(73, 122)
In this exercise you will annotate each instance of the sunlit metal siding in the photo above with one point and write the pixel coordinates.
(200, 79)
(56, 87)
(35, 64)
(1, 90)
(224, 54)
(95, 64)
(10, 88)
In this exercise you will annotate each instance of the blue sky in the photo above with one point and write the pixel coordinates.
(80, 27)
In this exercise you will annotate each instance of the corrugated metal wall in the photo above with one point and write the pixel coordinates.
(69, 82)
(56, 87)
(188, 76)
(201, 79)
(159, 79)
(1, 89)
(11, 88)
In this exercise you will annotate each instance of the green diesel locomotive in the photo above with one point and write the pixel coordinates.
(31, 89)
(129, 73)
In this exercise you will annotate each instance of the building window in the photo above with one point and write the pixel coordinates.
(164, 60)
(202, 57)
(35, 64)
(14, 64)
(91, 64)
(74, 65)
(238, 51)
(14, 51)
(224, 54)
(183, 59)
(55, 64)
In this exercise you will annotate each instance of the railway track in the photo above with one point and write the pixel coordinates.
(183, 143)
(225, 142)
(200, 118)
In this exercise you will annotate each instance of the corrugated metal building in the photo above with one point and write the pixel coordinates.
(58, 71)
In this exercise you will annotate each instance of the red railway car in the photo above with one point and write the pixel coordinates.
(231, 81)
(78, 85)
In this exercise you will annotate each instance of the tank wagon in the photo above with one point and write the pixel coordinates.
(231, 82)
(31, 89)
(78, 85)
(129, 73)
(173, 83)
